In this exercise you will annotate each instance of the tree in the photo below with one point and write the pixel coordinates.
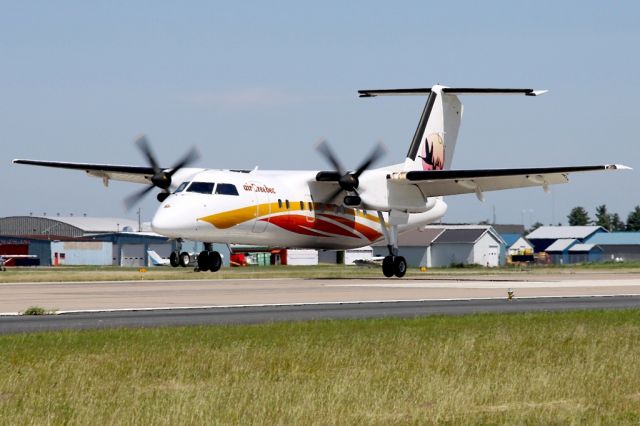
(603, 218)
(617, 224)
(578, 217)
(633, 220)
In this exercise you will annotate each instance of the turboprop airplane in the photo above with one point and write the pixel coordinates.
(333, 209)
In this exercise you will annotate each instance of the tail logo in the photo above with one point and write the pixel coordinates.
(432, 152)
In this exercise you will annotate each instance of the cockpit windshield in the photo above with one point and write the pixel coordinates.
(201, 187)
(182, 186)
(226, 189)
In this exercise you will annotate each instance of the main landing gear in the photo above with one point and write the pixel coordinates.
(392, 264)
(208, 259)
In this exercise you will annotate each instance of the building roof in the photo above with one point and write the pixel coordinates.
(100, 224)
(416, 238)
(557, 232)
(522, 241)
(460, 235)
(43, 227)
(508, 229)
(615, 238)
(510, 239)
(583, 248)
(561, 244)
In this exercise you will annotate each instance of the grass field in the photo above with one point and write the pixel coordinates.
(551, 368)
(115, 273)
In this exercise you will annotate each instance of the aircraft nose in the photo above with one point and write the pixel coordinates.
(162, 222)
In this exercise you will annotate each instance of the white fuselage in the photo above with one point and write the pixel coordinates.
(277, 209)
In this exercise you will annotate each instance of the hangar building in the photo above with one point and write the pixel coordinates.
(617, 245)
(543, 237)
(80, 240)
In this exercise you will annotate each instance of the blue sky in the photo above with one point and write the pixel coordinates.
(257, 83)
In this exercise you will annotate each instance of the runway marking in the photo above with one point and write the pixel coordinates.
(497, 284)
(348, 302)
(143, 281)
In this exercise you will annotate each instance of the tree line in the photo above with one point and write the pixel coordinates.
(610, 221)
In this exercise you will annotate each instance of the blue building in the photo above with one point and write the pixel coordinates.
(543, 237)
(617, 246)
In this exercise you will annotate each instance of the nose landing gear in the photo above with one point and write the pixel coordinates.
(179, 257)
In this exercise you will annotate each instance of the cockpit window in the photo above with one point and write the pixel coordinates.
(226, 189)
(201, 187)
(182, 186)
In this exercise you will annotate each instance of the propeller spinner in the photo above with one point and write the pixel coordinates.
(347, 180)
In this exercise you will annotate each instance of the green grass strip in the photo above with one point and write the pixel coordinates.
(542, 368)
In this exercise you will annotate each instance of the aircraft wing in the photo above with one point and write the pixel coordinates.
(105, 171)
(433, 183)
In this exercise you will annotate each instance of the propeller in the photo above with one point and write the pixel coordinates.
(348, 181)
(161, 178)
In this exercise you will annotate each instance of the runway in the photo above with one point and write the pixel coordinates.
(163, 303)
(264, 314)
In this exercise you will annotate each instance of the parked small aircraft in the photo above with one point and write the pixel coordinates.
(333, 209)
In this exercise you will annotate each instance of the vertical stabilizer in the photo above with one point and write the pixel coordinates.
(435, 138)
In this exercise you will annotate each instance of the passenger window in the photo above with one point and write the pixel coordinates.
(226, 189)
(310, 205)
(182, 186)
(286, 202)
(279, 203)
(201, 187)
(301, 205)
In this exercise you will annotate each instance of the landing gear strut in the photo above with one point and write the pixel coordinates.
(208, 259)
(392, 264)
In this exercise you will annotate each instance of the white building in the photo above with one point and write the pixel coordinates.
(446, 245)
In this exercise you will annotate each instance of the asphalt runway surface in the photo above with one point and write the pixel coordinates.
(232, 301)
(265, 314)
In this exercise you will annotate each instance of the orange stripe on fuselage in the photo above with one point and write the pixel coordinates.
(306, 225)
(230, 218)
(367, 231)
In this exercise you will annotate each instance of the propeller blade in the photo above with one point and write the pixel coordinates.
(132, 199)
(188, 159)
(143, 145)
(378, 152)
(323, 148)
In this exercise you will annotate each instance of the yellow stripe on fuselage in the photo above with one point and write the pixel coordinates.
(235, 217)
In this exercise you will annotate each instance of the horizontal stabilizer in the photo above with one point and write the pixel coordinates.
(451, 91)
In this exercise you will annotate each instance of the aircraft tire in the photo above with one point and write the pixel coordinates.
(173, 259)
(399, 266)
(388, 266)
(185, 259)
(204, 262)
(215, 261)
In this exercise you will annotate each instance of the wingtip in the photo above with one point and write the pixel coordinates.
(617, 167)
(537, 92)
